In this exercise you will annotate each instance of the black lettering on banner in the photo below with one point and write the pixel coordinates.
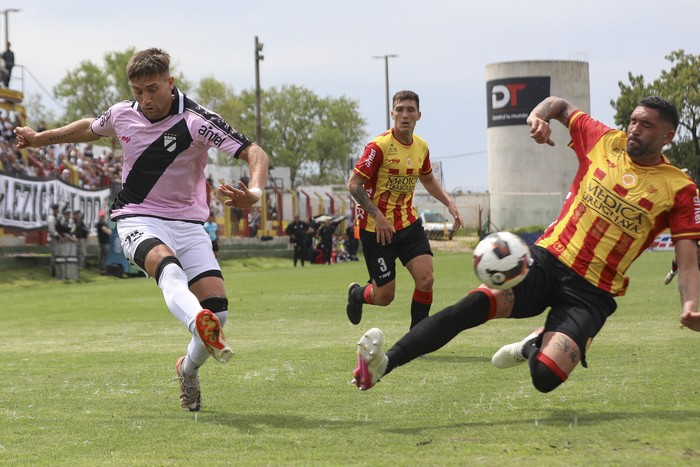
(26, 202)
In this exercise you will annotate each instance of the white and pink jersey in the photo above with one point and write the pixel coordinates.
(163, 168)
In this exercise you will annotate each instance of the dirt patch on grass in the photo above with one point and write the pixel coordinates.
(457, 244)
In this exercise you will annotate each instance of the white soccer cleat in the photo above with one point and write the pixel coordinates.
(190, 395)
(371, 360)
(669, 277)
(511, 355)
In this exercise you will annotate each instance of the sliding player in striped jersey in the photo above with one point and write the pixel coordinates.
(624, 193)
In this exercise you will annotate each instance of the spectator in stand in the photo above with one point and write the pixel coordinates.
(352, 242)
(253, 221)
(341, 249)
(212, 228)
(103, 235)
(54, 236)
(81, 233)
(236, 216)
(298, 230)
(244, 179)
(8, 58)
(65, 227)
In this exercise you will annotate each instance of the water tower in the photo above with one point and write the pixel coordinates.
(529, 182)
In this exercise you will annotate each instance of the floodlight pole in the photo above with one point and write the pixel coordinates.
(7, 27)
(258, 123)
(386, 85)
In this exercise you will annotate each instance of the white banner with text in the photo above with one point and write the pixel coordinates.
(26, 202)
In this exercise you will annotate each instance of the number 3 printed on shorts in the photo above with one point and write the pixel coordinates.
(382, 264)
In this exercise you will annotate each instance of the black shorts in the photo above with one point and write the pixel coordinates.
(577, 308)
(405, 245)
(215, 245)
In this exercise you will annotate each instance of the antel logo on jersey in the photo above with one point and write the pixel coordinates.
(105, 117)
(169, 142)
(510, 100)
(370, 158)
(213, 136)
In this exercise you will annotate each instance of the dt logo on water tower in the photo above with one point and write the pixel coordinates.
(511, 100)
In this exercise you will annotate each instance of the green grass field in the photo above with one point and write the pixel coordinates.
(87, 378)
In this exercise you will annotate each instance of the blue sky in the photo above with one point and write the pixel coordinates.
(443, 48)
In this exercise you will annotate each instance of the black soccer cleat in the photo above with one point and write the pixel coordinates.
(353, 308)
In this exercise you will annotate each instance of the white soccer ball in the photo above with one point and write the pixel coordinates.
(501, 260)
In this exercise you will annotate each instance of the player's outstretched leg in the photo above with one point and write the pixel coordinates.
(354, 307)
(212, 335)
(512, 354)
(371, 360)
(190, 395)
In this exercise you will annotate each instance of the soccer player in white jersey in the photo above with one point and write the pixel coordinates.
(162, 206)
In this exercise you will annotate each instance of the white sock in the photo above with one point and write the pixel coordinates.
(189, 370)
(180, 301)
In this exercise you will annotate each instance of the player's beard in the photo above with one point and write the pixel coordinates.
(636, 149)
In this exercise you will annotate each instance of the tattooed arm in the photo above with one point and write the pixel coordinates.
(688, 283)
(552, 107)
(384, 229)
(79, 131)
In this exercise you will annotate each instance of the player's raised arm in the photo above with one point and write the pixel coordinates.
(552, 107)
(79, 131)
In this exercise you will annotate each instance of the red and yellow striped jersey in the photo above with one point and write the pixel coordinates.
(391, 170)
(616, 207)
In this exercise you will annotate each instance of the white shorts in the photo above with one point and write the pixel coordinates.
(189, 241)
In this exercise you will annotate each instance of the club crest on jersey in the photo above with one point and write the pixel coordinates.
(169, 142)
(629, 180)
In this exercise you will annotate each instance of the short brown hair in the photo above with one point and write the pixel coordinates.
(149, 62)
(406, 96)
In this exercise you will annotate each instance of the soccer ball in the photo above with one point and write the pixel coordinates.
(501, 260)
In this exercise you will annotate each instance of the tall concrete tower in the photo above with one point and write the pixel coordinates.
(528, 182)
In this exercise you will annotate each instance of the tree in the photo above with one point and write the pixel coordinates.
(90, 89)
(87, 90)
(217, 97)
(38, 113)
(680, 85)
(312, 136)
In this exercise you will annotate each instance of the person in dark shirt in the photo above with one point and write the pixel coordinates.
(8, 58)
(325, 234)
(297, 230)
(103, 234)
(81, 233)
